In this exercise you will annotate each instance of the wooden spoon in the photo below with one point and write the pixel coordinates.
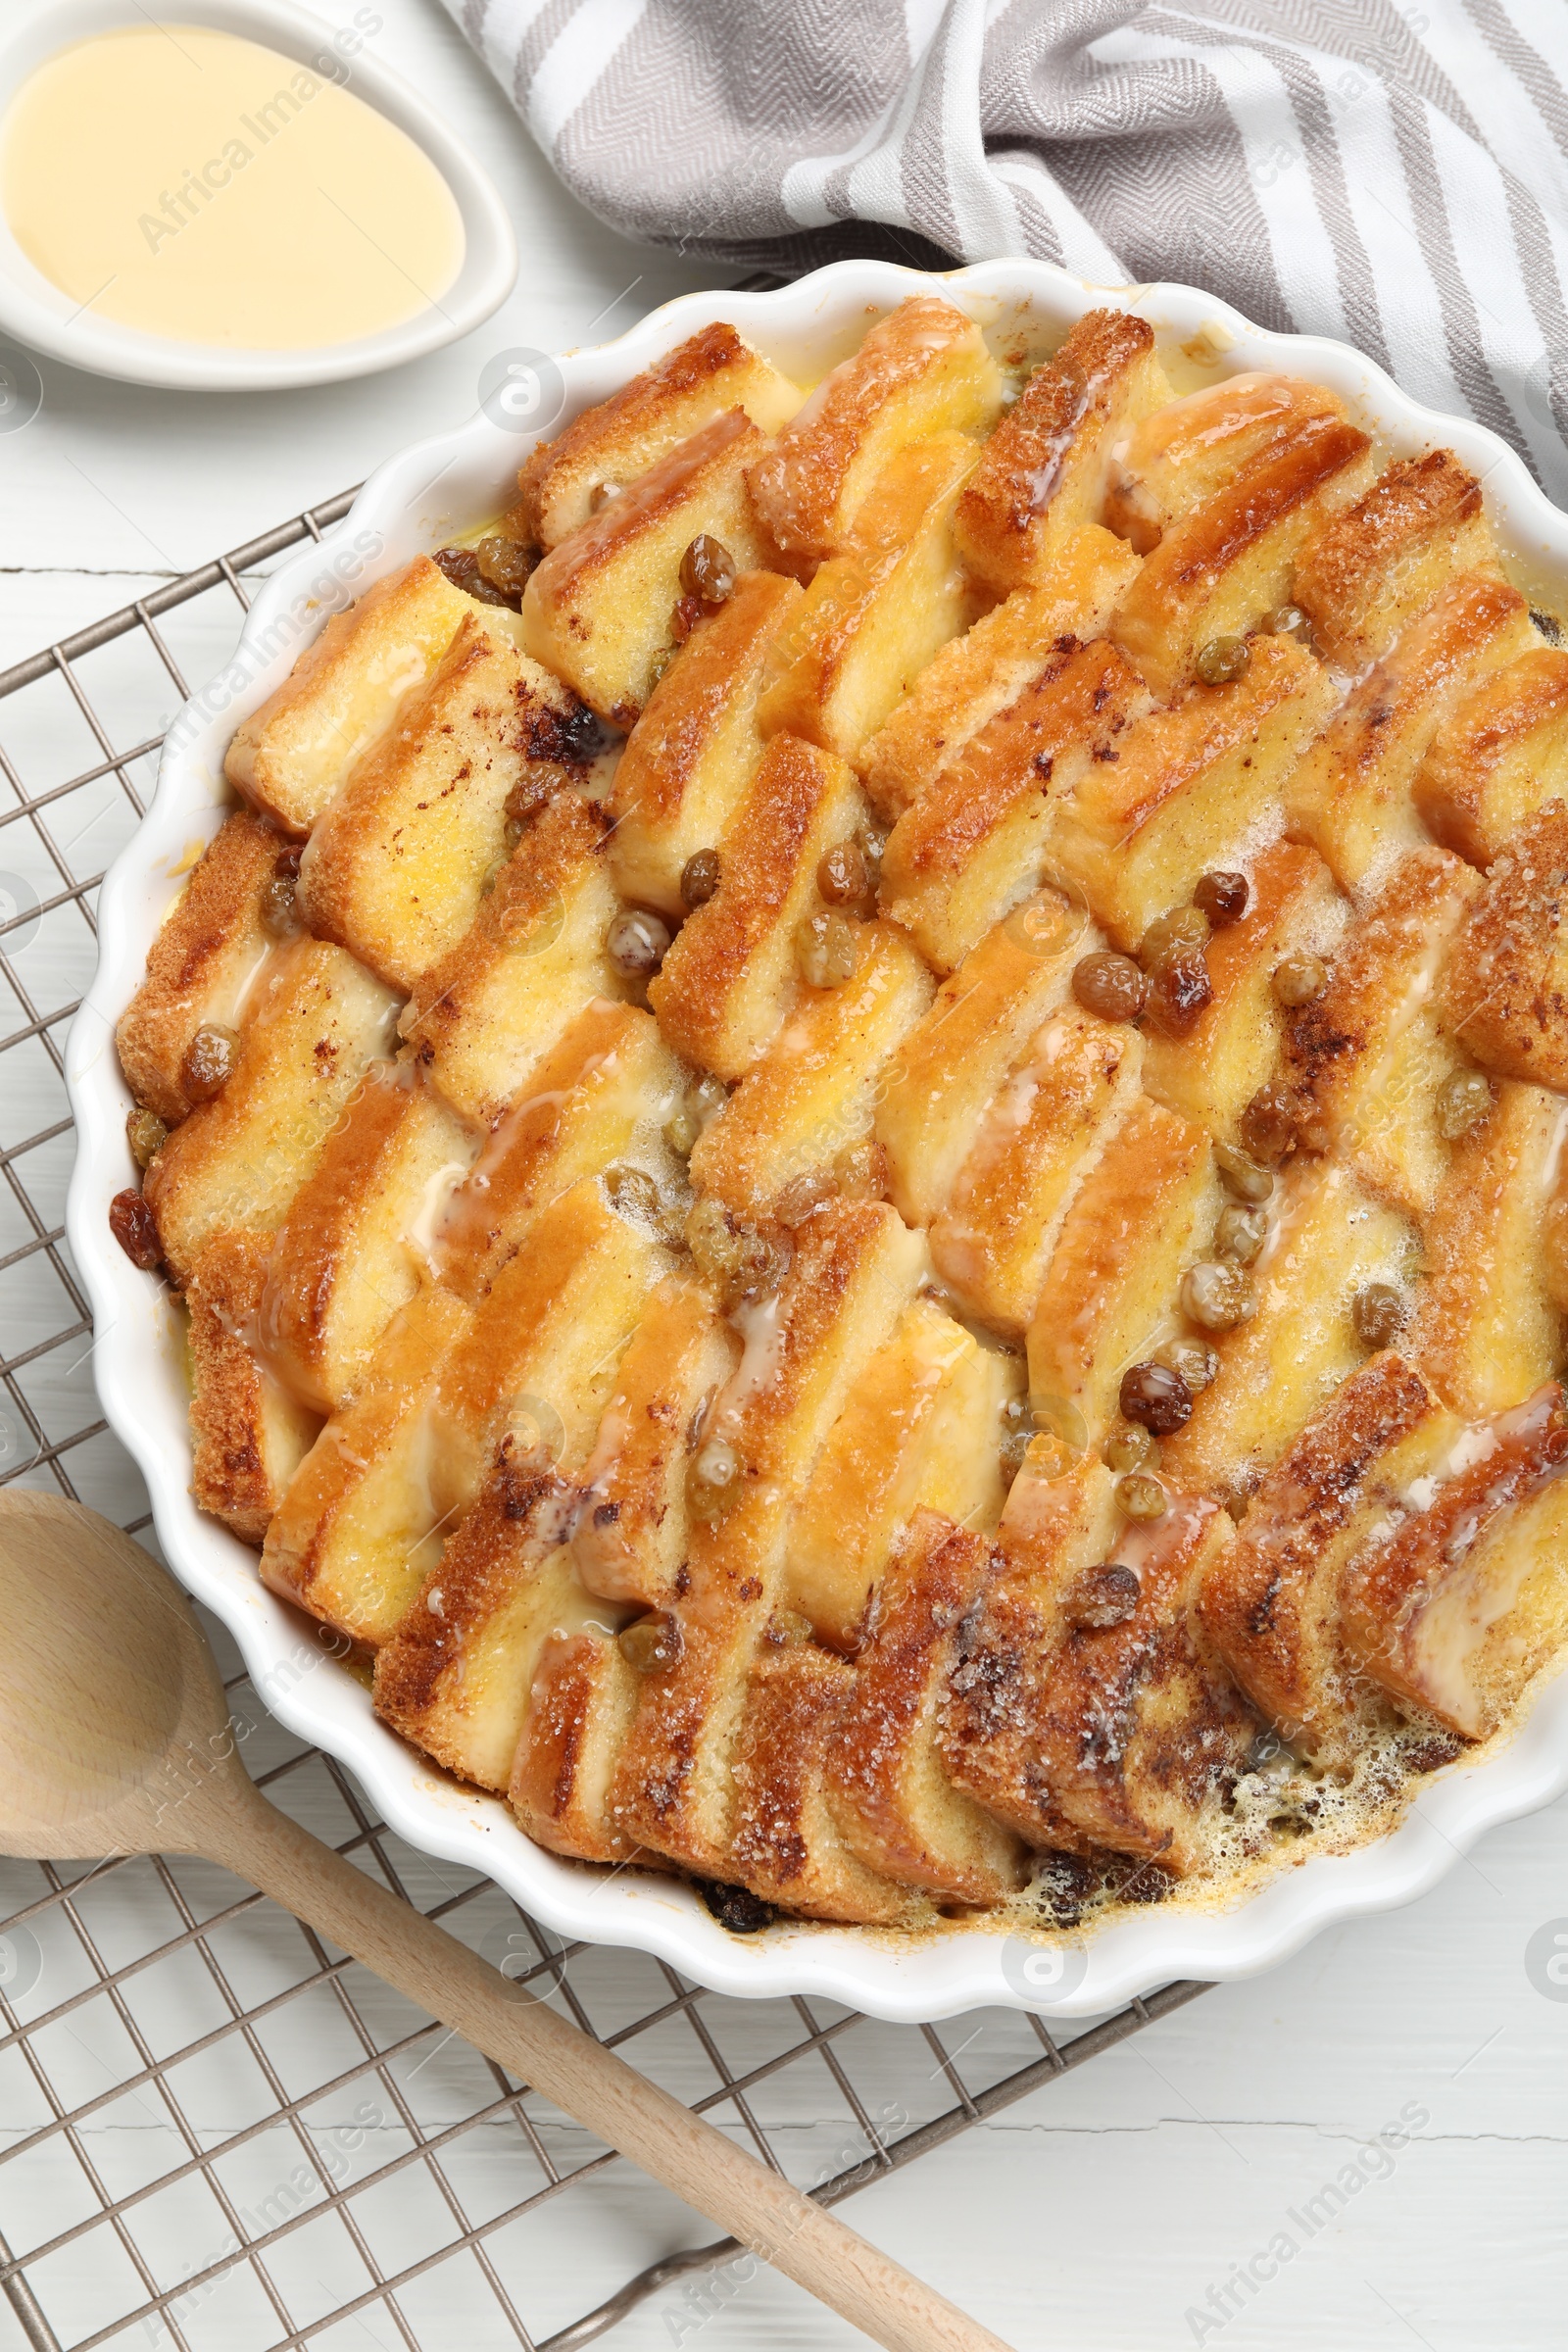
(114, 1738)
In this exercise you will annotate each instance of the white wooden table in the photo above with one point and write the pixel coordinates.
(1102, 2212)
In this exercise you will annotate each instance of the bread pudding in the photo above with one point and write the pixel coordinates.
(862, 1128)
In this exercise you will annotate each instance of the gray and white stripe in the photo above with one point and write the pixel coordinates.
(1392, 175)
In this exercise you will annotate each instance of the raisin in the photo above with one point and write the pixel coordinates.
(136, 1229)
(736, 1908)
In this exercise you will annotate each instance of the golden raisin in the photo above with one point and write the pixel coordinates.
(146, 1135)
(277, 911)
(1299, 980)
(698, 878)
(1130, 1449)
(1242, 1176)
(1464, 1102)
(505, 565)
(1222, 897)
(828, 948)
(1183, 927)
(708, 570)
(1217, 1296)
(1156, 1397)
(1223, 659)
(1378, 1312)
(1239, 1234)
(1180, 991)
(743, 1263)
(636, 943)
(1194, 1359)
(1140, 1496)
(209, 1059)
(650, 1643)
(1268, 1124)
(1109, 985)
(843, 876)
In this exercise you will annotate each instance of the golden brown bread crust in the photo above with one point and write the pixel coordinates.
(923, 368)
(1501, 757)
(581, 1706)
(1045, 468)
(888, 1784)
(618, 439)
(1504, 994)
(1366, 571)
(248, 1433)
(1418, 1606)
(1270, 1603)
(1224, 565)
(205, 951)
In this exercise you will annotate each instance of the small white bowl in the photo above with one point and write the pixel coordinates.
(419, 501)
(39, 315)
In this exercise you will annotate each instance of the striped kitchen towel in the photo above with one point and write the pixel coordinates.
(1393, 176)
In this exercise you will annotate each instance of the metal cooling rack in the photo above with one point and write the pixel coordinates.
(214, 2131)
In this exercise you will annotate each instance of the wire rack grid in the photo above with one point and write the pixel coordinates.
(215, 2131)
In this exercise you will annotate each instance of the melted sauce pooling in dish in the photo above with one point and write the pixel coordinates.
(194, 185)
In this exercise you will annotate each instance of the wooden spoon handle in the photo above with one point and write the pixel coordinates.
(631, 2114)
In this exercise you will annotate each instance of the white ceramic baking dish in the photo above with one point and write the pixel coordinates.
(419, 501)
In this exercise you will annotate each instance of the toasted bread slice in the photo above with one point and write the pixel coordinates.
(1112, 1282)
(1367, 573)
(568, 479)
(1211, 1073)
(1046, 468)
(730, 979)
(1501, 759)
(692, 755)
(1367, 1060)
(1055, 1528)
(1048, 1126)
(922, 370)
(1330, 1241)
(356, 1533)
(955, 1060)
(1503, 995)
(1228, 562)
(632, 1540)
(1455, 1610)
(457, 1673)
(598, 1098)
(789, 1845)
(1188, 789)
(538, 1363)
(919, 1432)
(1490, 1330)
(1271, 1603)
(203, 963)
(812, 1096)
(1141, 1732)
(855, 1270)
(1192, 449)
(970, 681)
(1354, 795)
(888, 1786)
(292, 756)
(580, 1704)
(249, 1434)
(396, 867)
(357, 1239)
(974, 844)
(874, 616)
(483, 1017)
(599, 610)
(313, 1023)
